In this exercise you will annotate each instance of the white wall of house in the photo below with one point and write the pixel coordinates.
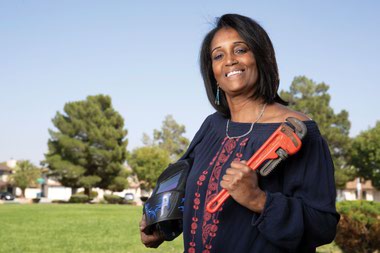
(30, 193)
(369, 195)
(58, 193)
(349, 195)
(4, 178)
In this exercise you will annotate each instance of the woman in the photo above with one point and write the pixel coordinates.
(292, 209)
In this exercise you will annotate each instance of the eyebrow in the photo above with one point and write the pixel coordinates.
(236, 42)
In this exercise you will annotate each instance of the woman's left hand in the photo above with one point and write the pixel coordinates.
(241, 182)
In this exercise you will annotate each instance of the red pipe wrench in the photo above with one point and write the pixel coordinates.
(285, 141)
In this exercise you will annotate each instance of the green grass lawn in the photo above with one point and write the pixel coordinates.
(74, 228)
(78, 228)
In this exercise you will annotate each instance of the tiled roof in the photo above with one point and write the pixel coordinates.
(366, 185)
(4, 167)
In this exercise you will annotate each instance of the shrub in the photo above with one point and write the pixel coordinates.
(79, 198)
(36, 200)
(359, 226)
(102, 201)
(113, 199)
(58, 201)
(93, 194)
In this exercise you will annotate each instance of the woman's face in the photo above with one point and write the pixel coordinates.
(233, 63)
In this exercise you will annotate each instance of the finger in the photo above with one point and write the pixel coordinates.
(224, 185)
(240, 166)
(227, 178)
(152, 241)
(142, 223)
(147, 239)
(231, 171)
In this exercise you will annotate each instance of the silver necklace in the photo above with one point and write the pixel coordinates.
(250, 129)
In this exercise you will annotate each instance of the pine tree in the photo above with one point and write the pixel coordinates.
(89, 147)
(313, 99)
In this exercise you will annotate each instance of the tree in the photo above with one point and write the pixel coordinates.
(313, 99)
(169, 138)
(120, 182)
(26, 175)
(148, 163)
(89, 148)
(365, 154)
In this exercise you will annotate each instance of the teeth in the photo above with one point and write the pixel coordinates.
(236, 72)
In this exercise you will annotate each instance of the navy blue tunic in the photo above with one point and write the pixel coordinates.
(299, 212)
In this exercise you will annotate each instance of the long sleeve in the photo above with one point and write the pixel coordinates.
(302, 215)
(299, 212)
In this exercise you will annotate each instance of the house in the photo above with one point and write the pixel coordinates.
(6, 169)
(359, 189)
(54, 190)
(50, 189)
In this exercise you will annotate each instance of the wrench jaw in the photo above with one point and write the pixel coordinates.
(298, 126)
(270, 165)
(286, 140)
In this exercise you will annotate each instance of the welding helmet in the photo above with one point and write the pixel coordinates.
(164, 209)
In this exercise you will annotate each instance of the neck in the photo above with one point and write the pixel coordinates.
(245, 110)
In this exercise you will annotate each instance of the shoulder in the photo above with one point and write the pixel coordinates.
(278, 113)
(211, 120)
(215, 118)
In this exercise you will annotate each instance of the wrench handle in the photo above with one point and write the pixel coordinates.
(284, 138)
(218, 201)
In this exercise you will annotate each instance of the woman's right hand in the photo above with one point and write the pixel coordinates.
(150, 241)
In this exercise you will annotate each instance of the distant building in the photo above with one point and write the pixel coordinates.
(6, 169)
(359, 189)
(50, 189)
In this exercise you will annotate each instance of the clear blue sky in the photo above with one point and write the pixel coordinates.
(144, 54)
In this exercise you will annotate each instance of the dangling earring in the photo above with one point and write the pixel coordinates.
(217, 101)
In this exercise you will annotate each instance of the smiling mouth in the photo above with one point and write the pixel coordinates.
(233, 73)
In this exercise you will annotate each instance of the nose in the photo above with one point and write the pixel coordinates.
(231, 60)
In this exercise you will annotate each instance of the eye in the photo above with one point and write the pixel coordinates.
(240, 50)
(217, 56)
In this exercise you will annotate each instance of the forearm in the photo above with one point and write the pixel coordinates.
(287, 221)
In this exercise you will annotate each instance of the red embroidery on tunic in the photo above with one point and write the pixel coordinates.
(210, 221)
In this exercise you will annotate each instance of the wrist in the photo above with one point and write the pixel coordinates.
(257, 204)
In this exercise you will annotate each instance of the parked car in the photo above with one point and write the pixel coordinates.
(6, 196)
(129, 196)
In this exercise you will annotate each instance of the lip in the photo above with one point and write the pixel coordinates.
(234, 70)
